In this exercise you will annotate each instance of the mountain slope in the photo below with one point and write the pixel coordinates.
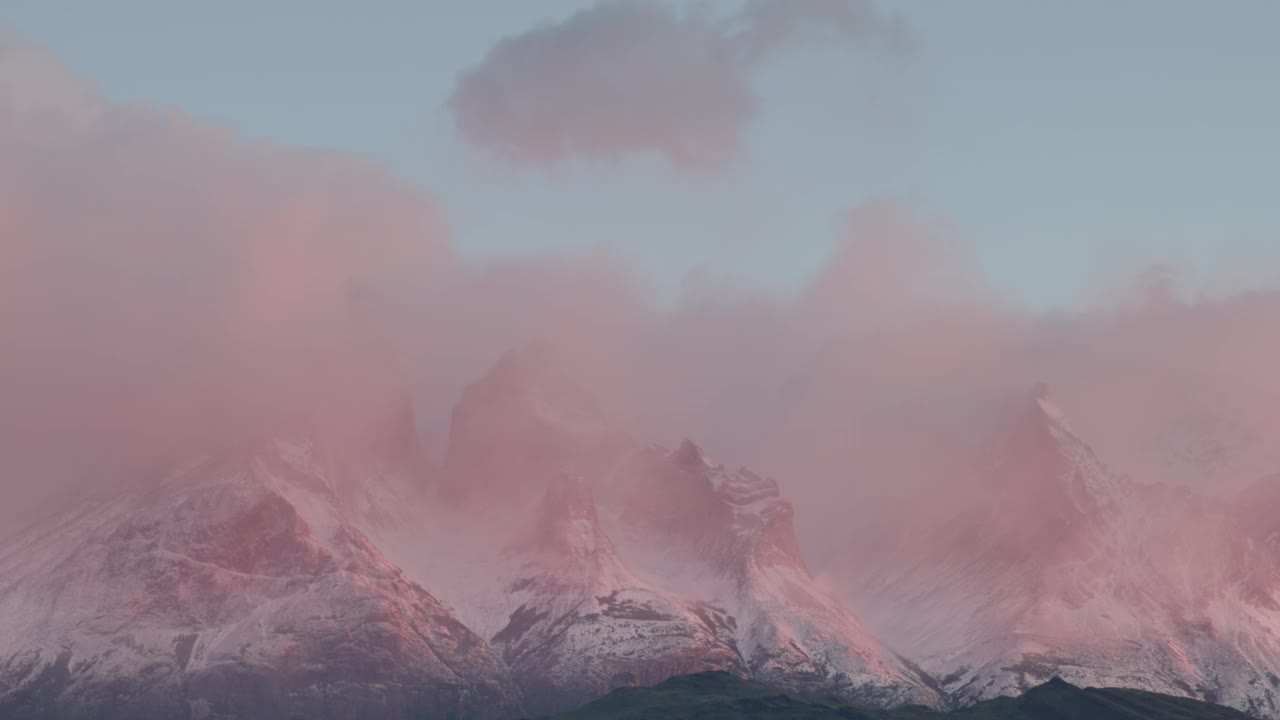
(1059, 566)
(233, 588)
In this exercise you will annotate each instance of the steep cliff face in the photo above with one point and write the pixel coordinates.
(233, 588)
(579, 623)
(726, 536)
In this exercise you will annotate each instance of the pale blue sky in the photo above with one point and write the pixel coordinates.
(1067, 140)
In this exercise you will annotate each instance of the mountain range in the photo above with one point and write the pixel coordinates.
(550, 558)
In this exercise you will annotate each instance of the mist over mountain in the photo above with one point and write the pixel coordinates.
(581, 560)
(277, 440)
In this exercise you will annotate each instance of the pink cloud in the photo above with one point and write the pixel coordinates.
(165, 286)
(168, 284)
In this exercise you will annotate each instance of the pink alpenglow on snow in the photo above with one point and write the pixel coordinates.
(281, 433)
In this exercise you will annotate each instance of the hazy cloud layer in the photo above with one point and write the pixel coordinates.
(164, 284)
(634, 76)
(166, 287)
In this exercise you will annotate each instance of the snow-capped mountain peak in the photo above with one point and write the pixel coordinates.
(235, 587)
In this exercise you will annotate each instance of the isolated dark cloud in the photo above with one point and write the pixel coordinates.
(637, 76)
